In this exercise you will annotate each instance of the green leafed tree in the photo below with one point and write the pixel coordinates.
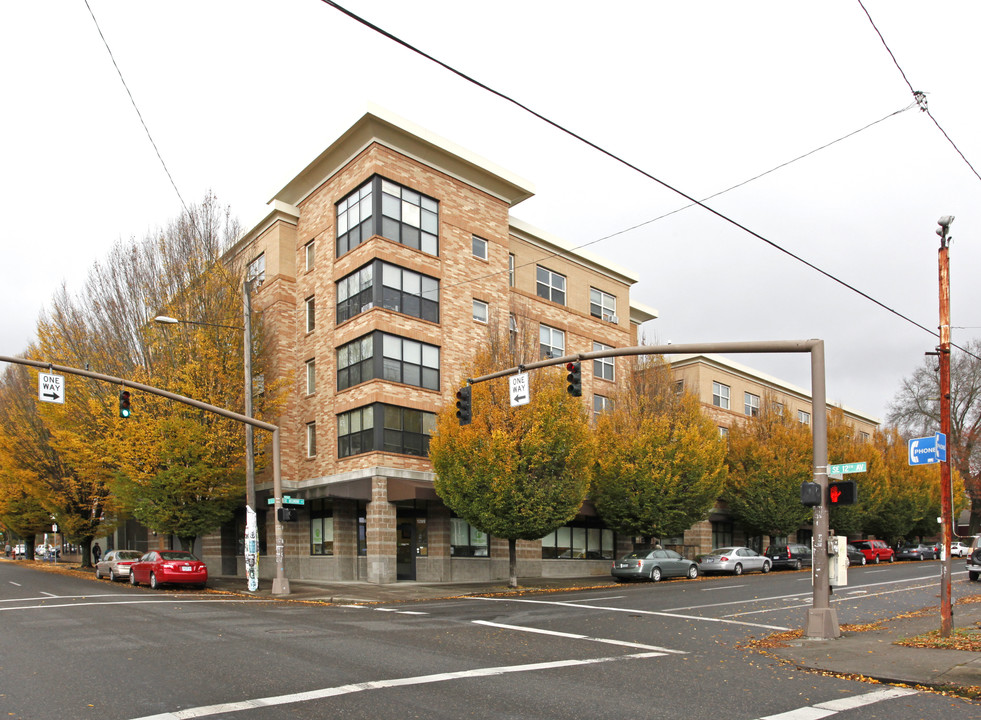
(514, 472)
(660, 463)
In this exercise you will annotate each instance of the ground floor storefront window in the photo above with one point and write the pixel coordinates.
(321, 527)
(467, 541)
(582, 539)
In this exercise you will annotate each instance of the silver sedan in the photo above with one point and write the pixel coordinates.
(653, 565)
(735, 560)
(115, 564)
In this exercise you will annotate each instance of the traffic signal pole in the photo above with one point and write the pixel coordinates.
(281, 585)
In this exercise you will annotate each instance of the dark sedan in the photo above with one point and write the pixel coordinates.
(855, 556)
(653, 565)
(916, 552)
(164, 567)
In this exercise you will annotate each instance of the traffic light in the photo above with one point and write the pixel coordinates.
(286, 514)
(810, 494)
(842, 492)
(124, 404)
(575, 379)
(463, 409)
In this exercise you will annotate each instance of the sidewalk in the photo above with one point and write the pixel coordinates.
(870, 653)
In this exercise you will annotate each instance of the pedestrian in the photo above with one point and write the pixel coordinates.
(96, 552)
(6, 550)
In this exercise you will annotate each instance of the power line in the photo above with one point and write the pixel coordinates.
(918, 95)
(621, 161)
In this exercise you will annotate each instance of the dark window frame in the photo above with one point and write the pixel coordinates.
(385, 208)
(371, 290)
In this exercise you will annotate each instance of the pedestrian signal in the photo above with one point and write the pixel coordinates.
(810, 494)
(842, 492)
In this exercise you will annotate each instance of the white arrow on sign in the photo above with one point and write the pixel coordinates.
(51, 388)
(520, 394)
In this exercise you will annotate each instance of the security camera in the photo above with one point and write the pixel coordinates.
(945, 221)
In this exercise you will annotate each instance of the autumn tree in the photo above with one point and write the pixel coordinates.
(769, 456)
(514, 472)
(915, 411)
(659, 461)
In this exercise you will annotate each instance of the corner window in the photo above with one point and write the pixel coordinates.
(390, 357)
(382, 207)
(308, 254)
(380, 284)
(354, 219)
(602, 305)
(720, 395)
(481, 311)
(311, 314)
(387, 428)
(751, 404)
(551, 342)
(479, 248)
(550, 285)
(311, 377)
(603, 368)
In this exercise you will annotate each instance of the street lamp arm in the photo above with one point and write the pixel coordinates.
(167, 320)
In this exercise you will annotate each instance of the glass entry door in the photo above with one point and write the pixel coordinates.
(405, 549)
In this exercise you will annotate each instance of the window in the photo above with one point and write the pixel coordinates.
(354, 215)
(751, 404)
(721, 534)
(582, 539)
(382, 207)
(602, 305)
(601, 404)
(311, 314)
(723, 432)
(479, 248)
(384, 427)
(603, 368)
(467, 541)
(804, 418)
(863, 436)
(679, 387)
(256, 271)
(552, 342)
(511, 270)
(308, 253)
(778, 408)
(409, 218)
(480, 311)
(389, 357)
(720, 395)
(321, 527)
(311, 439)
(311, 377)
(384, 285)
(551, 285)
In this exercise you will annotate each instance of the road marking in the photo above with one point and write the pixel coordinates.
(323, 693)
(739, 602)
(47, 594)
(833, 707)
(724, 587)
(574, 636)
(13, 583)
(128, 602)
(863, 596)
(612, 597)
(632, 611)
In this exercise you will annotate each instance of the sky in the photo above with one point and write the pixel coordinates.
(240, 95)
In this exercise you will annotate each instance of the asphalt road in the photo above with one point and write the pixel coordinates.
(74, 648)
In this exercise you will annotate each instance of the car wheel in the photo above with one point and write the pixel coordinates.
(976, 557)
(112, 575)
(796, 565)
(863, 560)
(892, 558)
(693, 572)
(154, 585)
(876, 560)
(766, 568)
(655, 574)
(738, 570)
(98, 574)
(132, 579)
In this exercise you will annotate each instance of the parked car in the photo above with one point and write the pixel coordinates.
(791, 555)
(653, 565)
(116, 564)
(876, 551)
(736, 560)
(855, 556)
(974, 559)
(959, 549)
(160, 567)
(916, 552)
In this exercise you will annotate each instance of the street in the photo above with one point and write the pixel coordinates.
(74, 648)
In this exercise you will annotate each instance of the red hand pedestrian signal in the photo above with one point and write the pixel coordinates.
(835, 493)
(842, 492)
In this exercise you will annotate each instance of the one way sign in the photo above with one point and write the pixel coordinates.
(51, 388)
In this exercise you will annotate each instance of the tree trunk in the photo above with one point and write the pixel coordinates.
(512, 563)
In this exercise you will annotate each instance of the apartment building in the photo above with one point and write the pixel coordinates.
(377, 272)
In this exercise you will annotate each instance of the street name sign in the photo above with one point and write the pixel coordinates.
(520, 394)
(287, 500)
(51, 388)
(926, 450)
(843, 468)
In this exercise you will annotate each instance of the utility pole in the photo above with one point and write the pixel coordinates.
(946, 511)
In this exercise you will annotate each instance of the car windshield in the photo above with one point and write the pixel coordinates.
(723, 551)
(176, 555)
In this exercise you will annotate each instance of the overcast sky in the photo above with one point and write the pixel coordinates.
(239, 95)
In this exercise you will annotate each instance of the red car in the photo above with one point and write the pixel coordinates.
(162, 567)
(875, 551)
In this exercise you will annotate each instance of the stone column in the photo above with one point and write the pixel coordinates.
(380, 533)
